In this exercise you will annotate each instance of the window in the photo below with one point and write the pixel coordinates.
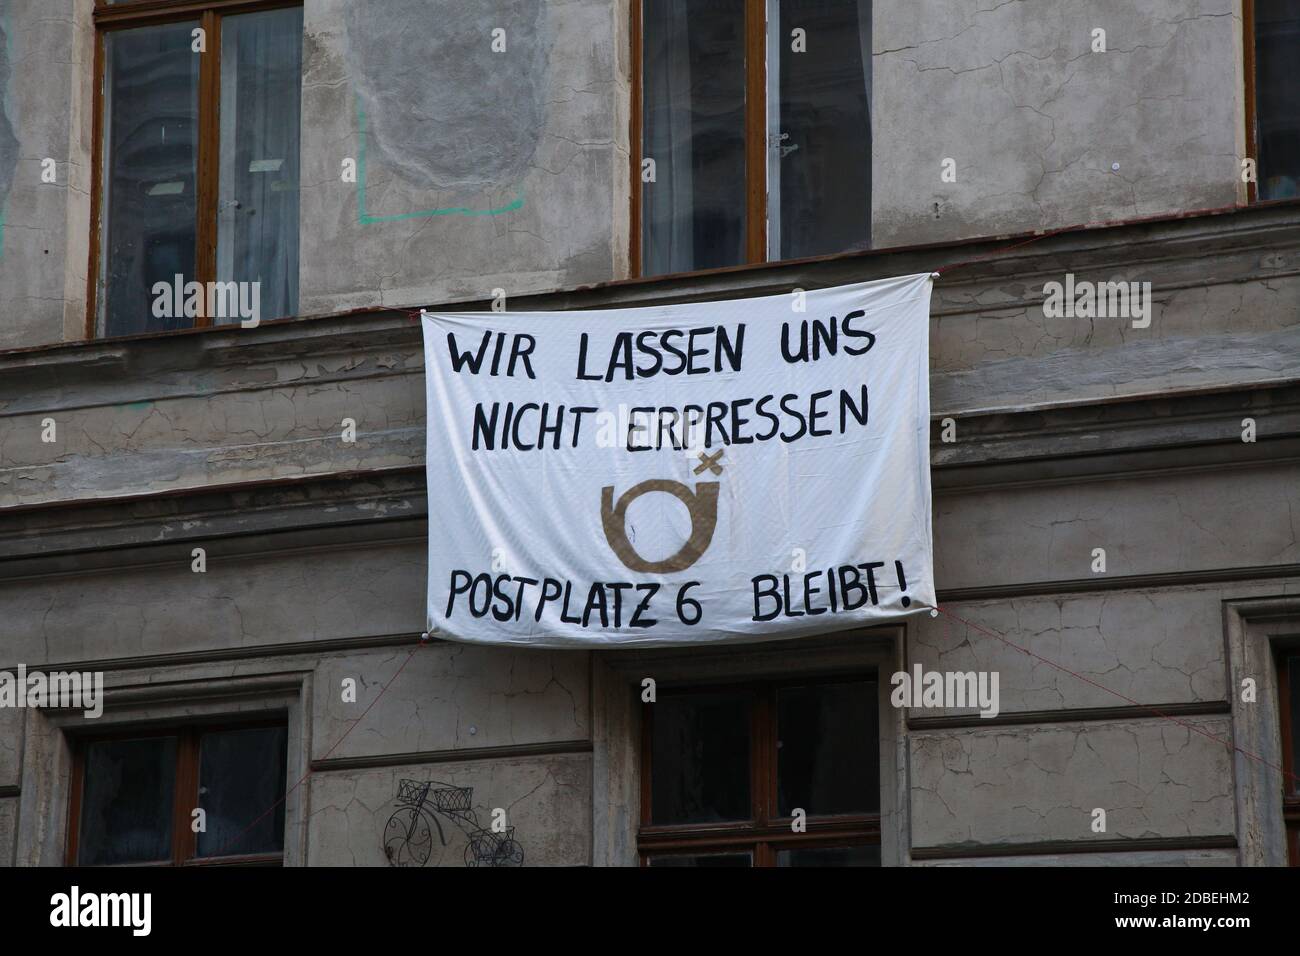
(1274, 133)
(197, 127)
(1288, 681)
(134, 796)
(725, 770)
(751, 131)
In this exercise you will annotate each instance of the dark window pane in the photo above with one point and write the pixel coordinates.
(830, 856)
(1277, 105)
(126, 804)
(700, 758)
(819, 154)
(1293, 683)
(828, 749)
(241, 776)
(257, 213)
(151, 117)
(693, 111)
(705, 859)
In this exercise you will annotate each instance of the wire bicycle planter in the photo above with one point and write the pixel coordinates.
(408, 835)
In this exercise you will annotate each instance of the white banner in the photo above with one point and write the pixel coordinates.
(682, 474)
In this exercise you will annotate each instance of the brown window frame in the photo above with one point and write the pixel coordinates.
(1248, 67)
(765, 833)
(185, 792)
(1290, 786)
(139, 13)
(755, 138)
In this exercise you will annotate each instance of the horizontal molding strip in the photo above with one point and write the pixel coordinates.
(1052, 847)
(1082, 715)
(243, 653)
(469, 754)
(1103, 582)
(1175, 579)
(1148, 435)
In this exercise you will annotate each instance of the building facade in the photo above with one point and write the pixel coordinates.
(218, 501)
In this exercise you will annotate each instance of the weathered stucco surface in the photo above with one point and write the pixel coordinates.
(484, 170)
(1037, 122)
(510, 169)
(8, 138)
(453, 697)
(46, 50)
(317, 571)
(1165, 648)
(1028, 784)
(445, 110)
(546, 800)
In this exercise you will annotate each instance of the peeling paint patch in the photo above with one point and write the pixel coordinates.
(446, 111)
(365, 218)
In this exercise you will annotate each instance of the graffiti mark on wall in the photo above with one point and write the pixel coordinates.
(364, 216)
(450, 97)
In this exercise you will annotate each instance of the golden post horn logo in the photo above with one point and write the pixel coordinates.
(702, 503)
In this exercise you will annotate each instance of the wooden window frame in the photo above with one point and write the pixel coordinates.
(755, 44)
(185, 791)
(1290, 787)
(765, 832)
(109, 17)
(1248, 66)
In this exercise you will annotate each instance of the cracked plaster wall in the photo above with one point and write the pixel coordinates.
(1159, 647)
(447, 698)
(1009, 89)
(1026, 784)
(547, 800)
(1038, 534)
(240, 415)
(1187, 522)
(482, 169)
(453, 696)
(1004, 86)
(1227, 318)
(45, 113)
(992, 343)
(240, 601)
(1035, 120)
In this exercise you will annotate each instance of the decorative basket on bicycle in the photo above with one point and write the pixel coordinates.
(453, 799)
(412, 793)
(493, 849)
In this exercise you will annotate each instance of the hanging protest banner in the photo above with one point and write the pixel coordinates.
(685, 474)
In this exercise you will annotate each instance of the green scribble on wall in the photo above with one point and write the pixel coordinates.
(366, 219)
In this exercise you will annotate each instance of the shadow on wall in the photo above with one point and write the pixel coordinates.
(444, 110)
(8, 138)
